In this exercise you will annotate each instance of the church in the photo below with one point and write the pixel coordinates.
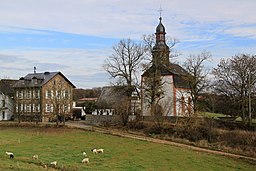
(165, 89)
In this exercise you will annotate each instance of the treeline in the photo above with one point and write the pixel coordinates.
(214, 103)
(86, 93)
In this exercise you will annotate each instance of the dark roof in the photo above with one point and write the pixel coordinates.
(111, 95)
(39, 79)
(176, 70)
(6, 86)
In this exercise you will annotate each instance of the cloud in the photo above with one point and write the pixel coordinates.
(83, 66)
(75, 37)
(119, 18)
(92, 80)
(243, 31)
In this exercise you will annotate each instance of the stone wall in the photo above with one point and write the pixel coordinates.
(102, 119)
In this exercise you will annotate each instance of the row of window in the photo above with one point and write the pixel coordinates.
(62, 108)
(28, 94)
(36, 108)
(35, 94)
(27, 108)
(60, 94)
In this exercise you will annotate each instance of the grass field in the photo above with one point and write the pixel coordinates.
(219, 115)
(212, 115)
(66, 147)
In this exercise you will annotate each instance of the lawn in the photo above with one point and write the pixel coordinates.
(66, 147)
(219, 115)
(212, 115)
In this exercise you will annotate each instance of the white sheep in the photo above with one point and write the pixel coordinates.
(35, 157)
(54, 163)
(94, 151)
(100, 150)
(85, 160)
(10, 154)
(84, 154)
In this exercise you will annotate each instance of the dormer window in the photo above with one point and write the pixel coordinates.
(22, 80)
(34, 80)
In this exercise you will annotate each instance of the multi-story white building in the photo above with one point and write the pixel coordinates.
(6, 99)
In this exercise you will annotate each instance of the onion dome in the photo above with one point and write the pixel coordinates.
(160, 27)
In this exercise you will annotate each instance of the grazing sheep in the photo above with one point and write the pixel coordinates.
(10, 154)
(100, 150)
(85, 160)
(94, 151)
(84, 154)
(54, 163)
(35, 157)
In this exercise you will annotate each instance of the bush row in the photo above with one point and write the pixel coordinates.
(203, 133)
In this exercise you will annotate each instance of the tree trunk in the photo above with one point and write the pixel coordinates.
(64, 120)
(57, 120)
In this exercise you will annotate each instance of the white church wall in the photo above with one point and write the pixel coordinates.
(183, 102)
(167, 102)
(144, 104)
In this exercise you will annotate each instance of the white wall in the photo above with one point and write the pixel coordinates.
(186, 95)
(167, 102)
(9, 110)
(103, 112)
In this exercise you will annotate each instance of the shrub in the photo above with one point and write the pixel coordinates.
(136, 125)
(238, 137)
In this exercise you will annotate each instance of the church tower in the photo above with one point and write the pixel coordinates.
(164, 89)
(160, 51)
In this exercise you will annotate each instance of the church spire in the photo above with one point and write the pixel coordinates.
(160, 32)
(160, 50)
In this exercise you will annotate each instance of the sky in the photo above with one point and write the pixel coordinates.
(75, 37)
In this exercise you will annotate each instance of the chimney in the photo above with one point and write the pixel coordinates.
(34, 69)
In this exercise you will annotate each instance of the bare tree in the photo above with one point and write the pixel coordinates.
(236, 79)
(154, 93)
(124, 62)
(153, 90)
(185, 103)
(152, 80)
(197, 75)
(149, 41)
(122, 108)
(59, 101)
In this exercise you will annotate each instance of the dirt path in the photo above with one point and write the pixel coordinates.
(81, 125)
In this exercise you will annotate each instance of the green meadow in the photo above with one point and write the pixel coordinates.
(66, 146)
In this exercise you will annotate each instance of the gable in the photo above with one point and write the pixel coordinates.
(57, 77)
(38, 79)
(111, 95)
(175, 70)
